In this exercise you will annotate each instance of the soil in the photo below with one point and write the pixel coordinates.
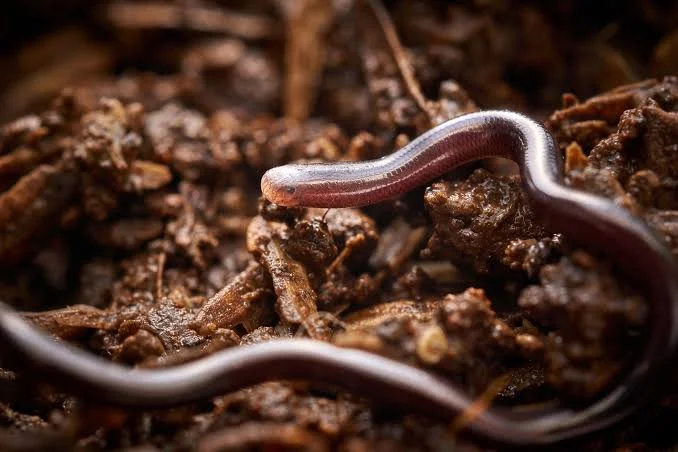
(134, 137)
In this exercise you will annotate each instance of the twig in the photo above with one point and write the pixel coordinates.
(481, 404)
(399, 56)
(154, 14)
(162, 257)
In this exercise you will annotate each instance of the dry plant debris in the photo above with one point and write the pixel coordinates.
(131, 224)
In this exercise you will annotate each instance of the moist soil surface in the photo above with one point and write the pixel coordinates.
(134, 136)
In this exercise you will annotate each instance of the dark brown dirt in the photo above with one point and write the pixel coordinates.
(134, 136)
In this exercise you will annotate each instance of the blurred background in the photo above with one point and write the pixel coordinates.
(204, 96)
(241, 55)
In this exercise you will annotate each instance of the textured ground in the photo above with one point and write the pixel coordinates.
(131, 222)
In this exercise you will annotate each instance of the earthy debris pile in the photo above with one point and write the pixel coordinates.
(131, 222)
